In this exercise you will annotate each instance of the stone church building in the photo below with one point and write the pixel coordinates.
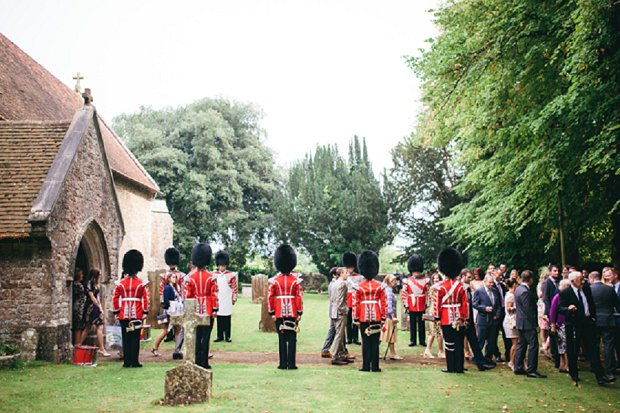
(71, 195)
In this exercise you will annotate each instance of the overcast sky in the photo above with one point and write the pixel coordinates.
(322, 71)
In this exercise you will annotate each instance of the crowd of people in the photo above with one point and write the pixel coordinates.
(573, 314)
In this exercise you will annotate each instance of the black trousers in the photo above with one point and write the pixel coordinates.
(416, 323)
(586, 333)
(528, 340)
(454, 343)
(606, 334)
(370, 349)
(287, 345)
(223, 327)
(203, 335)
(470, 333)
(131, 345)
(352, 330)
(487, 336)
(553, 345)
(617, 345)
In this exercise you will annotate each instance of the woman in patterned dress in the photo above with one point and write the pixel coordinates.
(389, 334)
(79, 299)
(94, 310)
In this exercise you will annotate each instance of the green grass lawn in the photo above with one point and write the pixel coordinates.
(108, 387)
(45, 387)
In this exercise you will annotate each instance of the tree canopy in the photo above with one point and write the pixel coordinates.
(213, 169)
(329, 205)
(527, 96)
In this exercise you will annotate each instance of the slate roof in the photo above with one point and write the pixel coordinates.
(27, 150)
(28, 92)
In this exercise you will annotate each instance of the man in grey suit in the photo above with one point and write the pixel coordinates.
(605, 303)
(331, 333)
(527, 324)
(339, 310)
(487, 301)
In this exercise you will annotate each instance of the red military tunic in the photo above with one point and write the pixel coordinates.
(202, 287)
(451, 302)
(131, 299)
(369, 303)
(415, 294)
(285, 297)
(163, 281)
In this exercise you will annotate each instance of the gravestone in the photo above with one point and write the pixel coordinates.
(260, 287)
(188, 384)
(260, 290)
(246, 290)
(28, 344)
(190, 320)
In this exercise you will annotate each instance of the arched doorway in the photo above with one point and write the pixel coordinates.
(91, 252)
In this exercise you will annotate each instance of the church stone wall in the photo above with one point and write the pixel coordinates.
(36, 277)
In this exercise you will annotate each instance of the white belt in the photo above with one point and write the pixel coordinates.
(285, 297)
(130, 299)
(369, 302)
(450, 305)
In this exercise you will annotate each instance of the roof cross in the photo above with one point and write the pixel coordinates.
(77, 78)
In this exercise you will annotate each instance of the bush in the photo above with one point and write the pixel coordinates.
(8, 349)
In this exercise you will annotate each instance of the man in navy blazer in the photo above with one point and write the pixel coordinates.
(610, 276)
(486, 300)
(527, 325)
(605, 302)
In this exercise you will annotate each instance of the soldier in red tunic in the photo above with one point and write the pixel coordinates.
(203, 288)
(131, 306)
(369, 309)
(285, 304)
(451, 308)
(414, 296)
(349, 262)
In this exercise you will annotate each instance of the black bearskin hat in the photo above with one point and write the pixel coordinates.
(415, 263)
(450, 262)
(222, 258)
(172, 256)
(349, 260)
(285, 259)
(201, 255)
(368, 264)
(133, 261)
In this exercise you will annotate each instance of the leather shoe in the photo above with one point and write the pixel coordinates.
(359, 343)
(229, 340)
(499, 359)
(609, 379)
(481, 367)
(376, 370)
(445, 370)
(349, 360)
(293, 368)
(519, 372)
(411, 344)
(339, 363)
(217, 340)
(536, 375)
(364, 369)
(326, 355)
(488, 366)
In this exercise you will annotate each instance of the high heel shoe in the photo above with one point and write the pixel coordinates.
(428, 354)
(155, 353)
(103, 353)
(441, 355)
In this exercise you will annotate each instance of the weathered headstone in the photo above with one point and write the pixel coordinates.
(28, 344)
(188, 384)
(190, 320)
(260, 286)
(260, 290)
(246, 290)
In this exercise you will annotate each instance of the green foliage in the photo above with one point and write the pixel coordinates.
(8, 349)
(214, 171)
(329, 206)
(527, 94)
(422, 180)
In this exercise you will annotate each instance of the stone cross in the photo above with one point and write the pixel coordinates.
(190, 320)
(77, 78)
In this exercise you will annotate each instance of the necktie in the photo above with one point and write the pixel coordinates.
(490, 293)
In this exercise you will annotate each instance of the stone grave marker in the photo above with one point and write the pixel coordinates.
(190, 320)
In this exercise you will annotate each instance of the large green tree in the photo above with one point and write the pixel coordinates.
(422, 182)
(214, 171)
(528, 95)
(329, 205)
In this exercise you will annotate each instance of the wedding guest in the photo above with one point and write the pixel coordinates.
(478, 280)
(78, 303)
(558, 328)
(171, 294)
(526, 325)
(93, 314)
(389, 335)
(510, 320)
(434, 327)
(605, 302)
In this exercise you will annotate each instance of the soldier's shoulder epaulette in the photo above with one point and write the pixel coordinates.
(145, 283)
